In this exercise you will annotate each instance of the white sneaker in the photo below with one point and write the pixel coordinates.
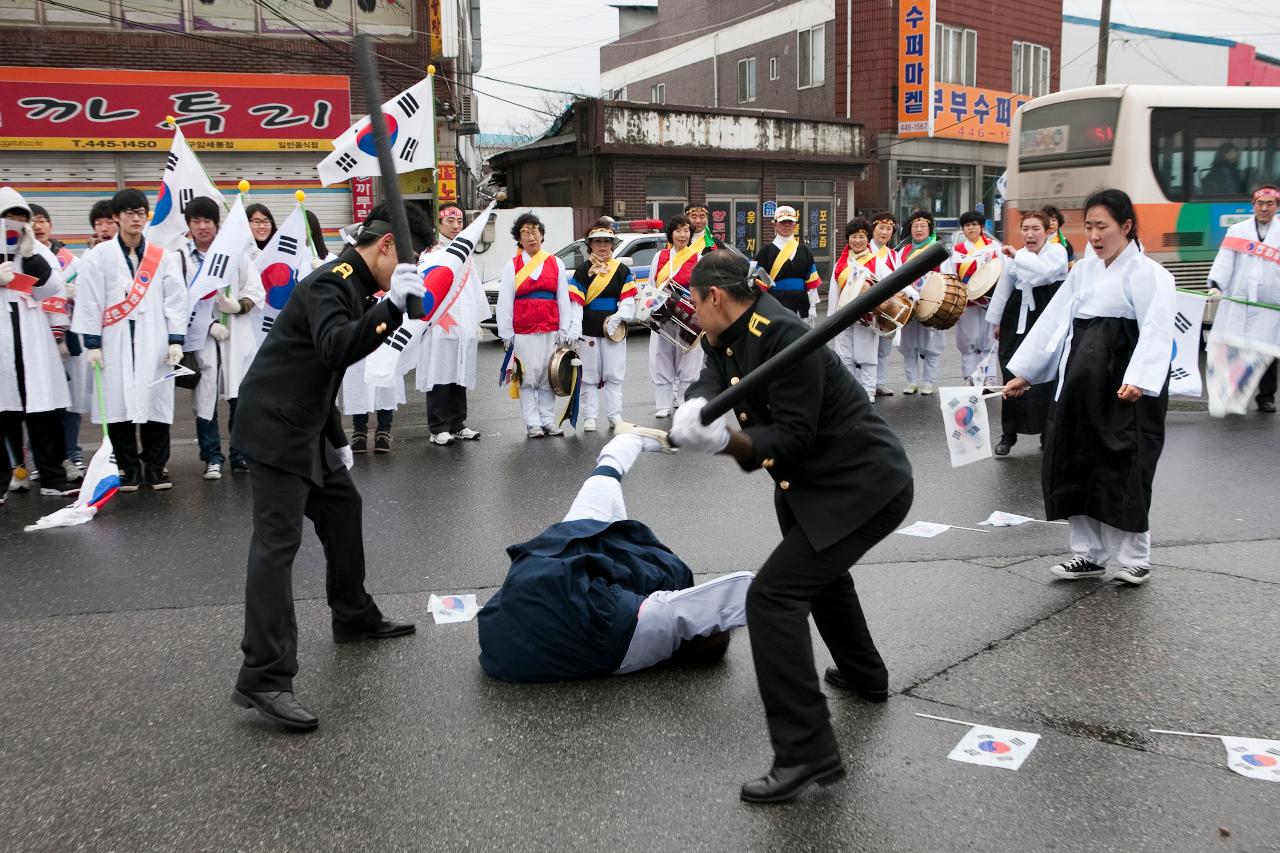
(19, 484)
(1136, 575)
(613, 422)
(467, 434)
(662, 413)
(926, 390)
(589, 425)
(534, 432)
(990, 382)
(911, 389)
(552, 430)
(73, 473)
(213, 471)
(884, 391)
(32, 471)
(442, 438)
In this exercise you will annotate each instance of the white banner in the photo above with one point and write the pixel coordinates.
(411, 131)
(1184, 364)
(184, 179)
(964, 418)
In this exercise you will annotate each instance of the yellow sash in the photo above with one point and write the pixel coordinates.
(600, 282)
(785, 254)
(675, 263)
(969, 266)
(530, 265)
(861, 259)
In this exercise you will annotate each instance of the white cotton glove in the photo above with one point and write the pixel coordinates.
(93, 358)
(6, 273)
(27, 242)
(227, 305)
(174, 356)
(562, 338)
(1215, 295)
(575, 331)
(688, 432)
(219, 332)
(405, 282)
(813, 316)
(69, 291)
(316, 263)
(611, 324)
(347, 457)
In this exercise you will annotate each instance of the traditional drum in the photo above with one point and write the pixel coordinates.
(563, 362)
(981, 282)
(673, 318)
(942, 301)
(887, 317)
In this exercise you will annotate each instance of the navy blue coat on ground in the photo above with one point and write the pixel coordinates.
(568, 607)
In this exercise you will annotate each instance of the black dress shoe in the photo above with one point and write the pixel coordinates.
(783, 783)
(1266, 406)
(1005, 444)
(278, 706)
(836, 678)
(384, 630)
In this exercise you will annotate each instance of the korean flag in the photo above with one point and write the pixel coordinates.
(410, 118)
(183, 179)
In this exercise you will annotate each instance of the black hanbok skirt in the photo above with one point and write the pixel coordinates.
(1028, 414)
(1100, 452)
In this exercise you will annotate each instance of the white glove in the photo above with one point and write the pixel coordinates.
(93, 358)
(6, 273)
(228, 306)
(813, 316)
(611, 324)
(687, 430)
(174, 356)
(219, 332)
(316, 263)
(1215, 295)
(347, 457)
(405, 282)
(27, 242)
(575, 331)
(69, 291)
(562, 338)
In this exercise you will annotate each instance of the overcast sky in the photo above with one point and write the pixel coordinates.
(555, 44)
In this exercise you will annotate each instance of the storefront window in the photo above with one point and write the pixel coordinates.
(940, 188)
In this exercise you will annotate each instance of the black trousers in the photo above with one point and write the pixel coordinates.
(281, 501)
(1266, 388)
(124, 441)
(48, 443)
(360, 423)
(795, 581)
(446, 408)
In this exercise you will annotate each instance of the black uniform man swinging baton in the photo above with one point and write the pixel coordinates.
(842, 483)
(287, 425)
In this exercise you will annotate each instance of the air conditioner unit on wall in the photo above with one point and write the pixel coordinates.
(466, 118)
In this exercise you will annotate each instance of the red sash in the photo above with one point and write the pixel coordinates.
(141, 283)
(1256, 248)
(967, 268)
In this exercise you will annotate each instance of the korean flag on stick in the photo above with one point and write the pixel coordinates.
(1233, 370)
(410, 118)
(222, 261)
(184, 179)
(284, 262)
(1184, 365)
(964, 418)
(443, 273)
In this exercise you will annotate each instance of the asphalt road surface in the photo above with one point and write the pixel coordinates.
(120, 640)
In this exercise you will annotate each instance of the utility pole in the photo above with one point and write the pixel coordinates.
(1104, 38)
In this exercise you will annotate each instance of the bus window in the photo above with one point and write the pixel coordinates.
(1072, 133)
(1207, 154)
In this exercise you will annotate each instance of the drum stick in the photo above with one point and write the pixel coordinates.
(818, 336)
(368, 71)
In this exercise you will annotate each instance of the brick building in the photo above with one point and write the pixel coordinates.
(635, 161)
(258, 89)
(799, 58)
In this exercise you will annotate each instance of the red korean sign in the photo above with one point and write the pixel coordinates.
(76, 109)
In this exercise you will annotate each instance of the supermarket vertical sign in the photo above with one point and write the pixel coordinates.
(915, 67)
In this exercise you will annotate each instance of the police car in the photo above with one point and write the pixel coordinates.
(642, 240)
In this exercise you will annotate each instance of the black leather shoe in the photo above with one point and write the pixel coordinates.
(278, 706)
(384, 630)
(1266, 406)
(783, 783)
(836, 678)
(1005, 444)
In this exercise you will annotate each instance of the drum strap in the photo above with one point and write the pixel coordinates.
(785, 254)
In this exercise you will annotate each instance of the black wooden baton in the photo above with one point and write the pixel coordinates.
(819, 335)
(390, 179)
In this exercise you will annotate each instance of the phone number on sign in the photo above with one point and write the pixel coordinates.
(115, 143)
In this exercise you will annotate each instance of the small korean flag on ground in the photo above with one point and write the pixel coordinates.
(1257, 759)
(964, 417)
(410, 118)
(453, 608)
(1003, 748)
(1184, 364)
